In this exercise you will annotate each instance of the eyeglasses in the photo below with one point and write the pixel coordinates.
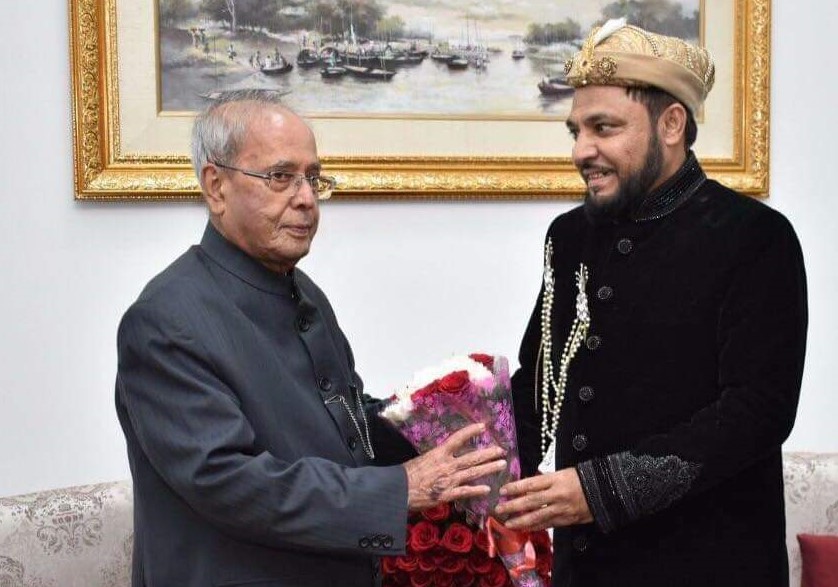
(280, 181)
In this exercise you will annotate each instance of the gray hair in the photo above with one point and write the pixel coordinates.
(219, 131)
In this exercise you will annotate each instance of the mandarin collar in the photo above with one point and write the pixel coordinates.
(235, 261)
(673, 193)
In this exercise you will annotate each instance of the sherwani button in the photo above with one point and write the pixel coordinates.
(303, 324)
(352, 442)
(364, 542)
(325, 383)
(580, 543)
(586, 393)
(624, 245)
(387, 542)
(376, 542)
(580, 442)
(605, 293)
(593, 342)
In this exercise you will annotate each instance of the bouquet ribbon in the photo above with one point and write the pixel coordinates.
(511, 544)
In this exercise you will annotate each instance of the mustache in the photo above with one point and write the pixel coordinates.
(591, 167)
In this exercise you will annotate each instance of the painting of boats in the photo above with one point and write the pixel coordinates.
(448, 58)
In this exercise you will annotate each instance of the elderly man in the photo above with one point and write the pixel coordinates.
(252, 456)
(666, 348)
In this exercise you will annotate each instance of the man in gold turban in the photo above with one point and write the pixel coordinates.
(666, 347)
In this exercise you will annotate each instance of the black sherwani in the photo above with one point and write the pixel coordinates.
(247, 468)
(679, 399)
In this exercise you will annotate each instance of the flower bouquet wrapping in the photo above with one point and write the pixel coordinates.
(444, 549)
(443, 399)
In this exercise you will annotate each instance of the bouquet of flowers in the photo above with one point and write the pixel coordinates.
(443, 399)
(444, 549)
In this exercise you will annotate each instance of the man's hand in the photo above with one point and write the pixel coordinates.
(439, 474)
(545, 501)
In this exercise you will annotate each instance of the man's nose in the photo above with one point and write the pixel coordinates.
(305, 194)
(584, 149)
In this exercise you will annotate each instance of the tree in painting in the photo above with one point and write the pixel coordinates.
(659, 16)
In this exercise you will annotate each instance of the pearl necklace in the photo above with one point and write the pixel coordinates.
(578, 332)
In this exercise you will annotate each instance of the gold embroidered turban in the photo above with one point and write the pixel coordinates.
(617, 54)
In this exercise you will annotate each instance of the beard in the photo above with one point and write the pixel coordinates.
(632, 190)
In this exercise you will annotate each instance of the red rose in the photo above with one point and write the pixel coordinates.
(479, 562)
(481, 539)
(463, 580)
(389, 564)
(427, 563)
(443, 580)
(436, 556)
(487, 361)
(407, 562)
(437, 513)
(421, 579)
(429, 389)
(396, 578)
(456, 382)
(423, 536)
(452, 565)
(457, 538)
(495, 577)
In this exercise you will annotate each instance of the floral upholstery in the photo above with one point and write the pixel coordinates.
(82, 536)
(70, 537)
(811, 500)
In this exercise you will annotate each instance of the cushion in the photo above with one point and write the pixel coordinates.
(820, 560)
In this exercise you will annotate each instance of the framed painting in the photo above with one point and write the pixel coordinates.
(407, 98)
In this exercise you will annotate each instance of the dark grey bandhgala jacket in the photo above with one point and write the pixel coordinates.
(247, 467)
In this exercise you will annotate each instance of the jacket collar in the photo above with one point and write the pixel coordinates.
(235, 261)
(672, 193)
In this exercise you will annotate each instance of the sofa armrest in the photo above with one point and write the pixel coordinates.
(71, 536)
(811, 488)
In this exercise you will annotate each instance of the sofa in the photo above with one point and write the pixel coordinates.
(82, 536)
(70, 537)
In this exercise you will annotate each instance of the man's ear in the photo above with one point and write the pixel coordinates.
(672, 124)
(212, 187)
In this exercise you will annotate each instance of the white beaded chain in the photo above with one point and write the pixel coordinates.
(578, 332)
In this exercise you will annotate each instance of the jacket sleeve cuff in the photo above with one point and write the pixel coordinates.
(622, 487)
(596, 487)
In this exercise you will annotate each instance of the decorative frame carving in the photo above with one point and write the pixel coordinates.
(104, 172)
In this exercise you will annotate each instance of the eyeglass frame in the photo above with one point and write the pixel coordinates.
(297, 181)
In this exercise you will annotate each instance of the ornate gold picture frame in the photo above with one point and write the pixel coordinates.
(126, 149)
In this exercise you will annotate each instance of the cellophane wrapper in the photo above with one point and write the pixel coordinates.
(443, 399)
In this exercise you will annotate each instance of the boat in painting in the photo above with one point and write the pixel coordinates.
(278, 69)
(333, 72)
(374, 73)
(554, 86)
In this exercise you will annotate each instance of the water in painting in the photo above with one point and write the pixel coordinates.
(428, 58)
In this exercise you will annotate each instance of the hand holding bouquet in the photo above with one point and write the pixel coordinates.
(445, 399)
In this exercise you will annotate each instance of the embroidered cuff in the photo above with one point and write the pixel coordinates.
(650, 483)
(622, 487)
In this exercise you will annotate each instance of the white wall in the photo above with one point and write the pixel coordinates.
(411, 282)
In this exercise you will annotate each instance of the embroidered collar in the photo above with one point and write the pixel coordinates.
(237, 262)
(673, 192)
